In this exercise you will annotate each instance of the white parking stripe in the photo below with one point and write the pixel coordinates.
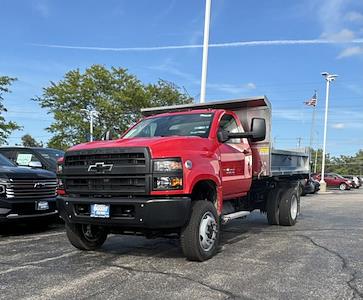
(29, 238)
(37, 262)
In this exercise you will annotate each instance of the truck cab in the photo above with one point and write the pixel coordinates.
(181, 170)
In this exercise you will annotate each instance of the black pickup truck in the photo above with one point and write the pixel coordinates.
(26, 194)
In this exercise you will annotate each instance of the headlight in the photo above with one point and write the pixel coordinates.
(168, 165)
(168, 183)
(59, 169)
(60, 163)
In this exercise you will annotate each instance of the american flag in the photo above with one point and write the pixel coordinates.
(312, 101)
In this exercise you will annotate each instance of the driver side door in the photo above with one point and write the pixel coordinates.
(235, 157)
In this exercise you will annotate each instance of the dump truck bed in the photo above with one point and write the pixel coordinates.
(284, 162)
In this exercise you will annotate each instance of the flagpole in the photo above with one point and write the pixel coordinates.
(316, 160)
(312, 130)
(313, 123)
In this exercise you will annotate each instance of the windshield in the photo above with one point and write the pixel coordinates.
(4, 162)
(180, 125)
(51, 154)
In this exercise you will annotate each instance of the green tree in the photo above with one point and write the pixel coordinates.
(29, 141)
(343, 164)
(114, 93)
(6, 128)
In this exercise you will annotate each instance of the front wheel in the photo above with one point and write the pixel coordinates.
(199, 238)
(86, 236)
(343, 186)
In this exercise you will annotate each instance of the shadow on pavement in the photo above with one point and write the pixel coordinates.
(27, 228)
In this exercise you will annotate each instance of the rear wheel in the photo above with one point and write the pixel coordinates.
(289, 207)
(273, 206)
(86, 236)
(343, 186)
(199, 238)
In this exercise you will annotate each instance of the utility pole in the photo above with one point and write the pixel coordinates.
(316, 160)
(328, 78)
(91, 114)
(299, 139)
(203, 82)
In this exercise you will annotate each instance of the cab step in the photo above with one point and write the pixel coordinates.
(235, 215)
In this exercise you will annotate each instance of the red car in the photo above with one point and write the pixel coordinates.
(335, 180)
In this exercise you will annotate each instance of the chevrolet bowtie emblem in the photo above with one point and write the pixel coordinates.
(100, 167)
(39, 185)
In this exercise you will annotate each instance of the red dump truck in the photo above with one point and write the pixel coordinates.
(182, 170)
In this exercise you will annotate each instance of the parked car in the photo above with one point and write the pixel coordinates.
(316, 185)
(35, 157)
(309, 186)
(26, 194)
(335, 180)
(356, 183)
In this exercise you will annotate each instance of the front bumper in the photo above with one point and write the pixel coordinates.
(13, 209)
(141, 213)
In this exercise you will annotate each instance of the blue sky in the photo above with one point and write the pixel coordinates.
(287, 73)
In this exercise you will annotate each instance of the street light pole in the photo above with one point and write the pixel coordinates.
(203, 83)
(91, 114)
(328, 78)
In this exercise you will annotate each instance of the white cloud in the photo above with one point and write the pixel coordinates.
(338, 125)
(351, 51)
(354, 16)
(42, 7)
(340, 36)
(232, 88)
(251, 85)
(169, 66)
(289, 114)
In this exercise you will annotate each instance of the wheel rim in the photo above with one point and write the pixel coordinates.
(92, 233)
(207, 231)
(342, 187)
(293, 208)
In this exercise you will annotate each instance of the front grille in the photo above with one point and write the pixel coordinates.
(117, 159)
(106, 185)
(24, 189)
(107, 172)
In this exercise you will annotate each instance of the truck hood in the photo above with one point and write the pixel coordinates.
(159, 146)
(24, 173)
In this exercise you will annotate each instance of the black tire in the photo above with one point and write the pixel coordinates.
(289, 207)
(79, 237)
(191, 238)
(273, 206)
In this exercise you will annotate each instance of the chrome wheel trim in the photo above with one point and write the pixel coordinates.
(293, 208)
(207, 231)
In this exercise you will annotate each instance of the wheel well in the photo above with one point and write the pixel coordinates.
(205, 190)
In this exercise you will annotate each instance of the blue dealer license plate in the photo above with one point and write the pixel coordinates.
(100, 210)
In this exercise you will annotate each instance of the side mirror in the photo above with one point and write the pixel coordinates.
(258, 129)
(35, 164)
(257, 133)
(223, 136)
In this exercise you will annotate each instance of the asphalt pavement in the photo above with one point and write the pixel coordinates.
(321, 257)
